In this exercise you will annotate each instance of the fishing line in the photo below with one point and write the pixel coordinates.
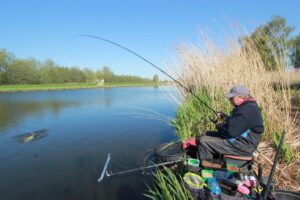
(144, 59)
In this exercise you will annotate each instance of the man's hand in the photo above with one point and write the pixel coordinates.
(219, 125)
(189, 142)
(222, 115)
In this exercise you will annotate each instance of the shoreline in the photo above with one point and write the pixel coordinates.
(67, 86)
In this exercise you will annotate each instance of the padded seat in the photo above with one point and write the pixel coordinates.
(244, 158)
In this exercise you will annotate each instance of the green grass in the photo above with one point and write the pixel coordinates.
(169, 186)
(65, 86)
(193, 117)
(287, 155)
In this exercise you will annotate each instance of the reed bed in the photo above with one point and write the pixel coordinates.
(210, 69)
(217, 69)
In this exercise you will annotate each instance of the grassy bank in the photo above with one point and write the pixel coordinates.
(66, 86)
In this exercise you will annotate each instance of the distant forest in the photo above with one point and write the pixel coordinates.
(31, 71)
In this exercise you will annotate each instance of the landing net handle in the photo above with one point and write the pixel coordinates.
(104, 169)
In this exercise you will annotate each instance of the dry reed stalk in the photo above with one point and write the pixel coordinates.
(218, 67)
(287, 176)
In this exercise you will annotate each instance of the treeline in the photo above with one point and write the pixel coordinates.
(31, 71)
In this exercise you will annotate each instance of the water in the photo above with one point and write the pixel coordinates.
(83, 126)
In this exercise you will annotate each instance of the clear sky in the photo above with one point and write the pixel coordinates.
(43, 28)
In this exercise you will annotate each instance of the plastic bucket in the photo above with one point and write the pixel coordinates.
(193, 165)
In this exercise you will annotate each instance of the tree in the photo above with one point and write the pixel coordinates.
(76, 75)
(31, 71)
(272, 40)
(48, 72)
(6, 59)
(155, 79)
(295, 56)
(107, 74)
(99, 74)
(89, 75)
(22, 72)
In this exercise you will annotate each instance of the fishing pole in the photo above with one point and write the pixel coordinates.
(162, 71)
(266, 191)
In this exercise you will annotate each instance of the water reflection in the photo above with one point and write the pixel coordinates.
(14, 109)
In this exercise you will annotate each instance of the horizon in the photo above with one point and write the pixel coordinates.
(44, 29)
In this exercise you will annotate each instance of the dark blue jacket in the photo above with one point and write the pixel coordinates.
(244, 126)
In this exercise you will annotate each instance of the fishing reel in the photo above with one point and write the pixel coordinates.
(220, 120)
(221, 117)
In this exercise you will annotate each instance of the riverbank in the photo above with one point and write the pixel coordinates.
(66, 86)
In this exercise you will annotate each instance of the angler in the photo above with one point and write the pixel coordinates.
(235, 141)
(239, 134)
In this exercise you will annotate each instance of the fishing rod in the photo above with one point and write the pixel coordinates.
(266, 191)
(162, 71)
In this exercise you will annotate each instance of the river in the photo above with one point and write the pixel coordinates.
(81, 127)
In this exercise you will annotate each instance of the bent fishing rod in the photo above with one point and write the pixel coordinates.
(144, 59)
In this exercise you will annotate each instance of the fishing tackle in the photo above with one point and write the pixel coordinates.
(162, 71)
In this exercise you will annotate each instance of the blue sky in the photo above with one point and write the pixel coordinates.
(43, 29)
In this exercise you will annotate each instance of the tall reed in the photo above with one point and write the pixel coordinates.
(210, 69)
(216, 67)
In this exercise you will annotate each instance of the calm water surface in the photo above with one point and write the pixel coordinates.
(83, 126)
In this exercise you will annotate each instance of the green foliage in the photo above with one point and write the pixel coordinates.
(30, 71)
(23, 72)
(295, 56)
(89, 75)
(169, 187)
(272, 39)
(193, 117)
(6, 59)
(155, 79)
(107, 74)
(286, 154)
(267, 128)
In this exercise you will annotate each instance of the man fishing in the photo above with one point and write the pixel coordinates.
(239, 134)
